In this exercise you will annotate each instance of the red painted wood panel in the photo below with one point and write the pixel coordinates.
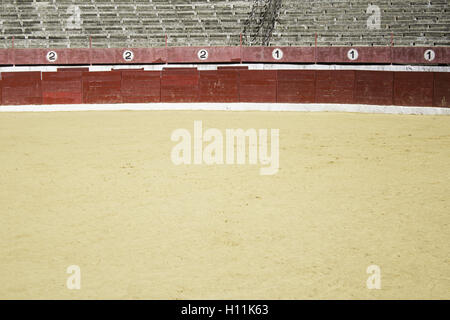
(413, 88)
(416, 55)
(296, 86)
(215, 54)
(290, 54)
(6, 57)
(219, 86)
(103, 56)
(62, 87)
(179, 85)
(27, 56)
(78, 56)
(21, 88)
(258, 85)
(141, 86)
(374, 87)
(232, 68)
(442, 89)
(365, 55)
(102, 87)
(334, 86)
(72, 69)
(140, 55)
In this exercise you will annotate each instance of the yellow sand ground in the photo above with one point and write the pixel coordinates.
(98, 190)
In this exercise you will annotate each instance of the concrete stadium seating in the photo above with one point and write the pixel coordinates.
(145, 23)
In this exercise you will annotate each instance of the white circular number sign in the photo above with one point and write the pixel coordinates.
(277, 54)
(128, 55)
(352, 54)
(52, 56)
(429, 55)
(203, 54)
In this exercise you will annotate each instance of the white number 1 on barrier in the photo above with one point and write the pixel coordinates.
(353, 54)
(277, 54)
(429, 55)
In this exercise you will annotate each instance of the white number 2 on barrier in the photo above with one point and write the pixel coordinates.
(203, 54)
(128, 55)
(52, 56)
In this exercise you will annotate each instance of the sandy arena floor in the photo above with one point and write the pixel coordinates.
(98, 190)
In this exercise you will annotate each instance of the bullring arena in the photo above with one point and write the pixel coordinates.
(93, 91)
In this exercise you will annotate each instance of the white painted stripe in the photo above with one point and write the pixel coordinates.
(256, 66)
(313, 107)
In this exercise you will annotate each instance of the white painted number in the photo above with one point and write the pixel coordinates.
(429, 55)
(52, 56)
(203, 54)
(352, 54)
(277, 54)
(128, 55)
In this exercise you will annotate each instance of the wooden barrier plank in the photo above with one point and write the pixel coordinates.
(62, 87)
(140, 55)
(441, 89)
(359, 54)
(296, 86)
(374, 87)
(420, 55)
(219, 86)
(141, 86)
(21, 88)
(335, 86)
(413, 88)
(203, 54)
(72, 69)
(102, 87)
(278, 54)
(179, 85)
(6, 57)
(258, 85)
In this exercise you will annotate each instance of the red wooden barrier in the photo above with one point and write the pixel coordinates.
(374, 87)
(102, 87)
(232, 68)
(219, 86)
(227, 85)
(335, 86)
(353, 54)
(442, 89)
(278, 54)
(6, 57)
(179, 85)
(258, 85)
(413, 88)
(416, 55)
(21, 88)
(296, 86)
(400, 55)
(62, 87)
(203, 54)
(141, 86)
(72, 69)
